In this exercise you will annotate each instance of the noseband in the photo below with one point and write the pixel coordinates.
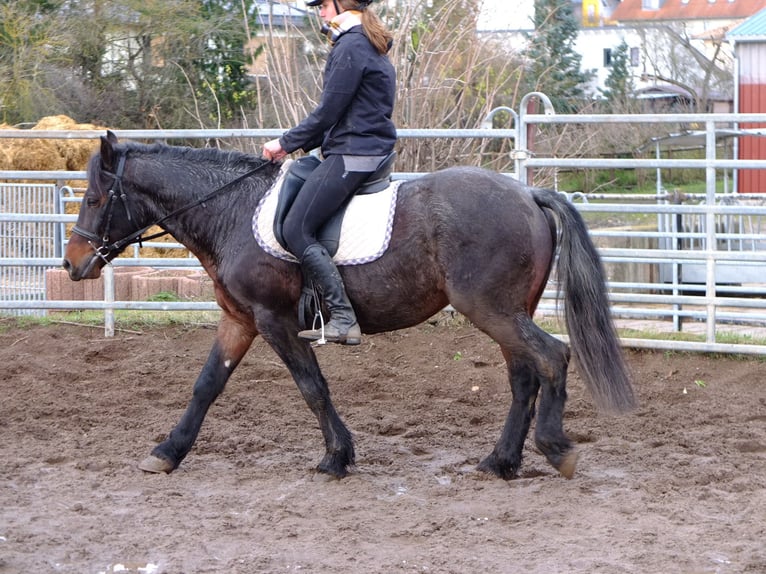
(116, 192)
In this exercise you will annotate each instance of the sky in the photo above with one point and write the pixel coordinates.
(505, 15)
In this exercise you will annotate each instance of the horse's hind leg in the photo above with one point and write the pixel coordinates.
(505, 459)
(537, 363)
(231, 344)
(550, 437)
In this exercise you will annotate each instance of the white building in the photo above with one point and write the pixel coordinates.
(663, 36)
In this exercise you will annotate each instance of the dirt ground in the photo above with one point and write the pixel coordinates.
(677, 487)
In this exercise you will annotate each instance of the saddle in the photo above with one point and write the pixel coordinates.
(329, 234)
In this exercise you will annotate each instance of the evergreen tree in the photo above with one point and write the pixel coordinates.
(554, 65)
(221, 65)
(619, 83)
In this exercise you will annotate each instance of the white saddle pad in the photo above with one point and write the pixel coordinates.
(365, 232)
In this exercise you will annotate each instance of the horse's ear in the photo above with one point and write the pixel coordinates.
(107, 150)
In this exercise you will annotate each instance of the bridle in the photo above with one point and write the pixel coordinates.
(117, 193)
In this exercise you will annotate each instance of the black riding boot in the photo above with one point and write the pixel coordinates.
(342, 327)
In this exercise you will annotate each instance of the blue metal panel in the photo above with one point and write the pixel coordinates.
(752, 29)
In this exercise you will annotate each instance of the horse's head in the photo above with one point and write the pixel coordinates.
(104, 217)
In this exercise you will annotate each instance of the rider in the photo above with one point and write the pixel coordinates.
(354, 126)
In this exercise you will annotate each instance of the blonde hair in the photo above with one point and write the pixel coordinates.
(374, 28)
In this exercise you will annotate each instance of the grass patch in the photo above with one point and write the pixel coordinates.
(137, 321)
(165, 297)
(628, 181)
(721, 337)
(554, 327)
(125, 320)
(637, 219)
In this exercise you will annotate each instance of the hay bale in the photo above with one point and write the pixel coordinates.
(36, 155)
(48, 154)
(74, 152)
(5, 150)
(5, 157)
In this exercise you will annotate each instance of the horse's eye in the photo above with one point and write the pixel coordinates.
(91, 202)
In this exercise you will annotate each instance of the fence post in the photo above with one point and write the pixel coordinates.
(710, 239)
(108, 273)
(522, 140)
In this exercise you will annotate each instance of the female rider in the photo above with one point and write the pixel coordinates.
(353, 125)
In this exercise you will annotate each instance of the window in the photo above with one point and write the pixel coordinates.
(634, 57)
(607, 57)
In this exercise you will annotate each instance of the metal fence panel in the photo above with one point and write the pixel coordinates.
(742, 232)
(26, 240)
(734, 231)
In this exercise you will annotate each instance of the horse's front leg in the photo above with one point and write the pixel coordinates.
(301, 361)
(232, 342)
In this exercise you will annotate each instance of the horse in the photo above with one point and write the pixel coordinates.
(471, 238)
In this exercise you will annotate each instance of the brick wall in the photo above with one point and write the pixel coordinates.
(130, 284)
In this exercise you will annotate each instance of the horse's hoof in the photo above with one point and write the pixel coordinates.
(332, 471)
(568, 464)
(491, 465)
(323, 477)
(155, 465)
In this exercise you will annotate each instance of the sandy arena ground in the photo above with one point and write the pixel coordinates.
(677, 487)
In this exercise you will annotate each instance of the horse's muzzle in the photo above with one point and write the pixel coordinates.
(81, 260)
(89, 269)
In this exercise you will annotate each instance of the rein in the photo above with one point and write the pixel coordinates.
(137, 236)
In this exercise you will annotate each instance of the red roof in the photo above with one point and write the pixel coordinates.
(631, 10)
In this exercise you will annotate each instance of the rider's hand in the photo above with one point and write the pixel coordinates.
(272, 150)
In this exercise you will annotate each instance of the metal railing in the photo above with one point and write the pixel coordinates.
(646, 266)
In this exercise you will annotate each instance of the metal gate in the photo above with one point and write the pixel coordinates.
(734, 232)
(26, 239)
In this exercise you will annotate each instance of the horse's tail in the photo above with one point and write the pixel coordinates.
(592, 334)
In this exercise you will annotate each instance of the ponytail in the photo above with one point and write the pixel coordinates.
(376, 32)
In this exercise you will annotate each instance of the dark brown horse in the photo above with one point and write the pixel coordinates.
(477, 240)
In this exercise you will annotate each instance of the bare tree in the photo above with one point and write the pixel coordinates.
(674, 56)
(30, 43)
(447, 78)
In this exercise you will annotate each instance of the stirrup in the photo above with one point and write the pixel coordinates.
(342, 337)
(317, 316)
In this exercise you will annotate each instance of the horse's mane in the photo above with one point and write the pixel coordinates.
(217, 157)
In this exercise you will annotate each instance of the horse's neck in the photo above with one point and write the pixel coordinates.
(177, 200)
(164, 197)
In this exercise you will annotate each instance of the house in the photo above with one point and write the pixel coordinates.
(274, 18)
(599, 36)
(682, 43)
(273, 14)
(671, 43)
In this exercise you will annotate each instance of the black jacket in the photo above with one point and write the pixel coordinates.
(354, 114)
